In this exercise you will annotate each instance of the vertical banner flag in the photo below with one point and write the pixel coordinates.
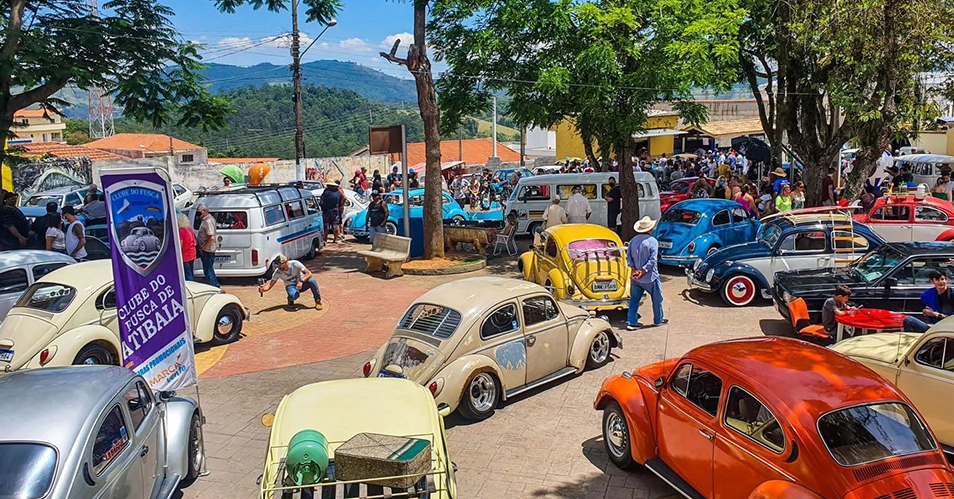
(154, 326)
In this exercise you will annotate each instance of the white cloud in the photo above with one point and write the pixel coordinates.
(354, 45)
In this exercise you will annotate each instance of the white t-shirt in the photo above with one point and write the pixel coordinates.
(577, 208)
(59, 238)
(290, 276)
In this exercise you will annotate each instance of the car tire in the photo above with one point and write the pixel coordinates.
(228, 325)
(142, 245)
(391, 228)
(739, 290)
(599, 353)
(481, 396)
(312, 252)
(196, 456)
(95, 354)
(457, 221)
(533, 228)
(616, 437)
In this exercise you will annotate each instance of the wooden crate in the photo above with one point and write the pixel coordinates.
(370, 456)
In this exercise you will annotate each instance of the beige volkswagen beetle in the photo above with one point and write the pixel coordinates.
(478, 341)
(69, 317)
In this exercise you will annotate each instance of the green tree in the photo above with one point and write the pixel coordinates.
(131, 50)
(603, 64)
(77, 131)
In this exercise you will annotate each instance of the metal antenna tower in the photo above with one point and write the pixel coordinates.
(100, 105)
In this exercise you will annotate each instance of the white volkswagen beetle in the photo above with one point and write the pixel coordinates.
(69, 317)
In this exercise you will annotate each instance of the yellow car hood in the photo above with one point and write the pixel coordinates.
(883, 347)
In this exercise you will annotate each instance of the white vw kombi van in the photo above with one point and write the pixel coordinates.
(256, 224)
(533, 194)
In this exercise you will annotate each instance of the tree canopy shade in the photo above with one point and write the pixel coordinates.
(603, 64)
(130, 49)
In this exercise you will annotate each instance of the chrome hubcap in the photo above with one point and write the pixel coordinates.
(225, 324)
(615, 434)
(197, 445)
(483, 392)
(739, 289)
(600, 348)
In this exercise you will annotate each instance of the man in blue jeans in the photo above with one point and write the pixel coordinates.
(296, 277)
(938, 304)
(642, 260)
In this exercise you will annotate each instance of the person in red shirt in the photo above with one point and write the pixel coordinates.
(187, 240)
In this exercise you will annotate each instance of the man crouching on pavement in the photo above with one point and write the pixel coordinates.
(296, 277)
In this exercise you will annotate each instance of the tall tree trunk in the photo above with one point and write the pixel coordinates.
(420, 66)
(586, 135)
(628, 188)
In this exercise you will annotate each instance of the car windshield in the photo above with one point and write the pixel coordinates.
(593, 248)
(769, 234)
(42, 200)
(868, 433)
(26, 470)
(680, 187)
(877, 263)
(677, 215)
(47, 296)
(433, 320)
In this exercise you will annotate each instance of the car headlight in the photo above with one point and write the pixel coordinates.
(709, 275)
(786, 297)
(570, 289)
(348, 222)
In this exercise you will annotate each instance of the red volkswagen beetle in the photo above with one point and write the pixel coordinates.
(678, 191)
(907, 218)
(772, 418)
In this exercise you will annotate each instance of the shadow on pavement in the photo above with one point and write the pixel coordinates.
(776, 327)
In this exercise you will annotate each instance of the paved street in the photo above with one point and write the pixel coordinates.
(545, 443)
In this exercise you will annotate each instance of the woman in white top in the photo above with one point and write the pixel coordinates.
(55, 237)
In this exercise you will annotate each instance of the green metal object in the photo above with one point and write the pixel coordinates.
(307, 459)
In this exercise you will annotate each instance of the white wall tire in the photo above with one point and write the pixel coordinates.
(739, 290)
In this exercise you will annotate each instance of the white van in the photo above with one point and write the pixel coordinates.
(533, 194)
(926, 168)
(256, 224)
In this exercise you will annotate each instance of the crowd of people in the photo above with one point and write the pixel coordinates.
(59, 229)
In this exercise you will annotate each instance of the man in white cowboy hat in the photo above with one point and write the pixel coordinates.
(642, 260)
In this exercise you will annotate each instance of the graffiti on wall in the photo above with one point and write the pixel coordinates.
(51, 173)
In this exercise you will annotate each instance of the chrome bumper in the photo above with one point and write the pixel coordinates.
(619, 304)
(694, 283)
(679, 260)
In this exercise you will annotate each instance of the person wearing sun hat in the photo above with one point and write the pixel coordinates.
(642, 258)
(781, 178)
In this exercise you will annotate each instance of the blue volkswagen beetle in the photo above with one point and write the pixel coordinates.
(786, 242)
(453, 214)
(694, 228)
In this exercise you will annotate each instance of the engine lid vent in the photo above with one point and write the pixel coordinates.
(907, 493)
(943, 489)
(866, 473)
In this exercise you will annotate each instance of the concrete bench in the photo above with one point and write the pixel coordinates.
(391, 251)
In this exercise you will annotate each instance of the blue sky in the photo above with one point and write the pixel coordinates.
(248, 37)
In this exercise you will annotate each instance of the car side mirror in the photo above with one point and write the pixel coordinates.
(890, 282)
(166, 395)
(660, 383)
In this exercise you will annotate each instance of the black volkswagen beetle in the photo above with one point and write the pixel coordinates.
(891, 277)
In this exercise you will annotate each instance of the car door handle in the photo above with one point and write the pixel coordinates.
(144, 451)
(531, 340)
(705, 434)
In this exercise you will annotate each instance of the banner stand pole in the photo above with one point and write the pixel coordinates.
(205, 470)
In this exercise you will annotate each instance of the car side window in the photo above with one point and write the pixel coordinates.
(73, 199)
(107, 300)
(844, 241)
(928, 214)
(534, 193)
(13, 281)
(698, 386)
(274, 215)
(539, 309)
(294, 210)
(551, 247)
(111, 439)
(937, 353)
(804, 241)
(136, 405)
(747, 415)
(500, 321)
(179, 189)
(740, 215)
(45, 268)
(721, 218)
(917, 272)
(892, 213)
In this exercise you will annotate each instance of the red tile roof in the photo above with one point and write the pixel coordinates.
(475, 151)
(239, 161)
(58, 150)
(30, 113)
(146, 142)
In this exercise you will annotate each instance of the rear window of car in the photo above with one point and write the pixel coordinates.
(47, 296)
(682, 216)
(868, 433)
(26, 470)
(230, 220)
(433, 320)
(593, 248)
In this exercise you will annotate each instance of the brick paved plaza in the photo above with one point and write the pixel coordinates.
(545, 443)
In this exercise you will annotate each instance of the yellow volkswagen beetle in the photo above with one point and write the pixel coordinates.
(582, 264)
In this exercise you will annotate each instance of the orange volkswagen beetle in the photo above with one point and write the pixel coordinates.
(772, 418)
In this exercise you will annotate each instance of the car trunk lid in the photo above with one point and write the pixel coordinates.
(22, 335)
(409, 356)
(599, 272)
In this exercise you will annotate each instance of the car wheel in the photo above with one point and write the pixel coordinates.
(738, 290)
(95, 354)
(599, 353)
(457, 221)
(481, 394)
(312, 252)
(534, 228)
(196, 456)
(391, 228)
(142, 245)
(228, 325)
(712, 250)
(616, 436)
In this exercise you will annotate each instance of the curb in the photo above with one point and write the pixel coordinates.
(453, 269)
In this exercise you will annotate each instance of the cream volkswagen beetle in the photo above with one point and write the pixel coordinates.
(478, 341)
(69, 317)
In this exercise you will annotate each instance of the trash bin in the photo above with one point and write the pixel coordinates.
(417, 235)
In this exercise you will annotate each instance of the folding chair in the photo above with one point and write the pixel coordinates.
(798, 309)
(506, 237)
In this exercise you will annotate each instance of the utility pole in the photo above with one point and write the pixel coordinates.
(493, 127)
(296, 97)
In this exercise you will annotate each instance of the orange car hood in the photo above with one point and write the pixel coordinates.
(656, 370)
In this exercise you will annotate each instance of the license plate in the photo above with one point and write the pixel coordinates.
(385, 374)
(6, 355)
(222, 258)
(605, 286)
(665, 244)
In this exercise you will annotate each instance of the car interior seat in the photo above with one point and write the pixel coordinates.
(800, 320)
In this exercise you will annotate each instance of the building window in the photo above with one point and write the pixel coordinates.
(55, 137)
(45, 138)
(188, 158)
